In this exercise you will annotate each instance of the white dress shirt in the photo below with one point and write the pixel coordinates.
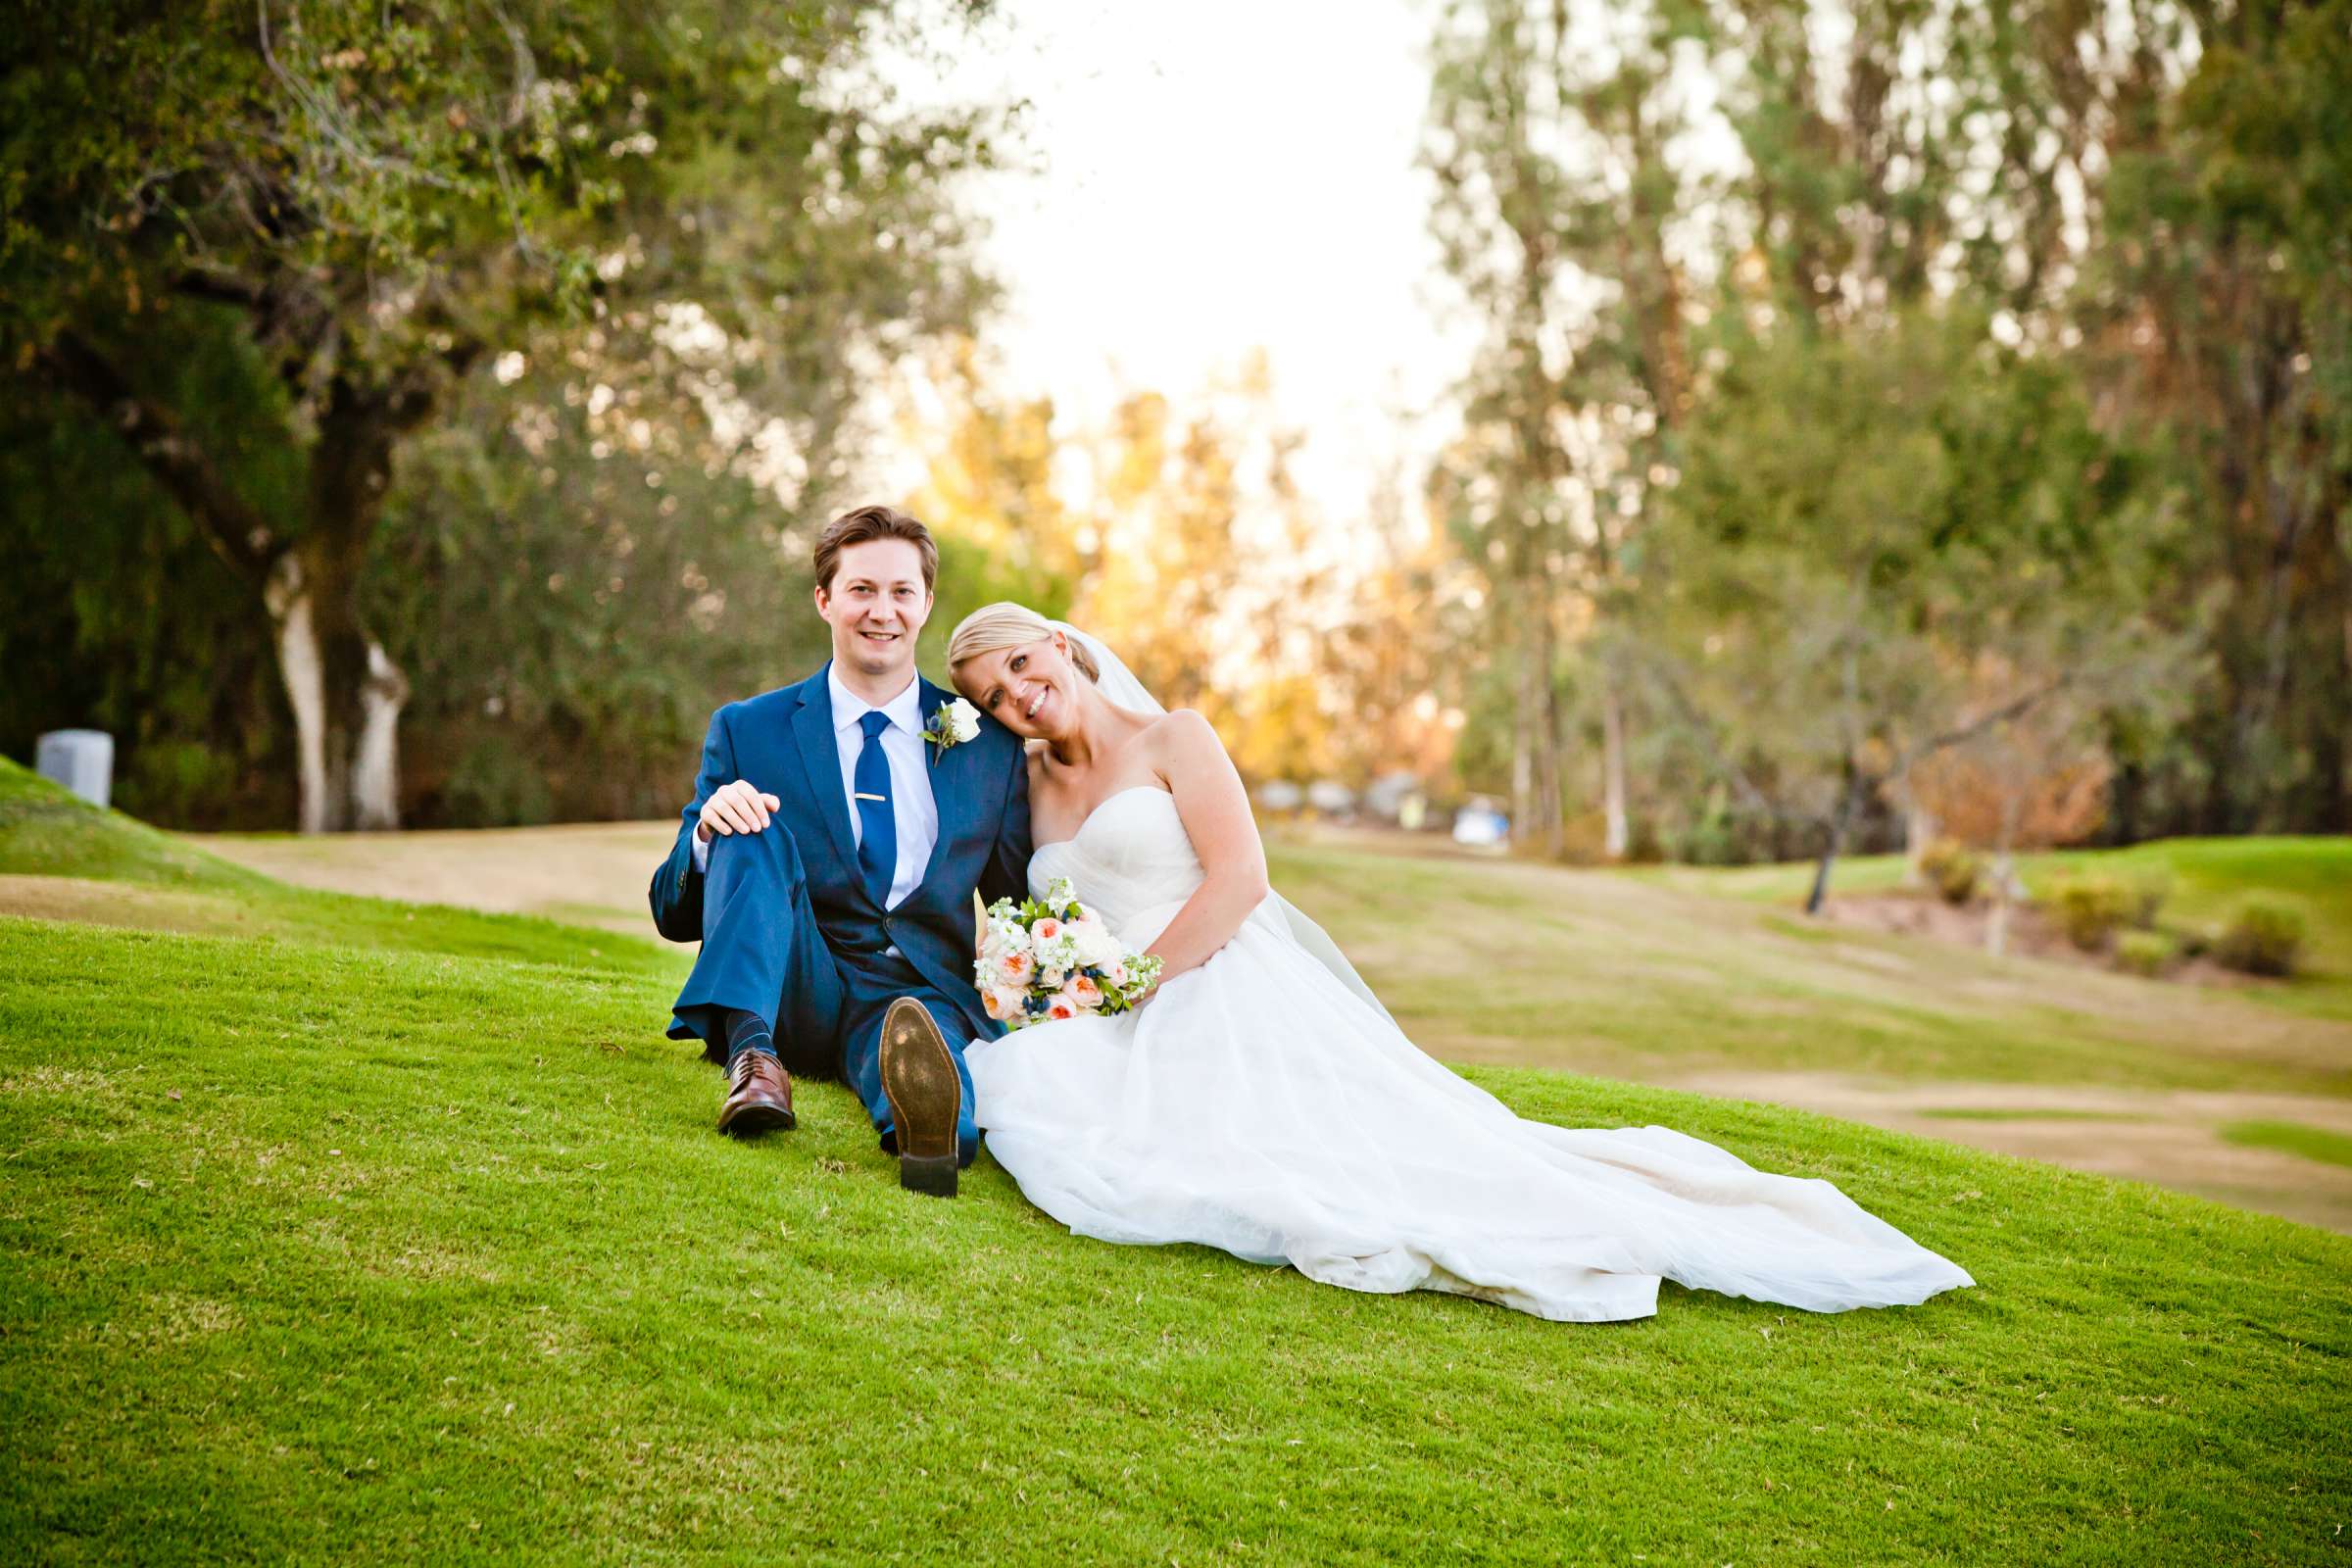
(911, 805)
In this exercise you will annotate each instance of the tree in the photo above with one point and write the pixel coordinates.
(2218, 313)
(1863, 524)
(373, 198)
(1555, 206)
(2028, 780)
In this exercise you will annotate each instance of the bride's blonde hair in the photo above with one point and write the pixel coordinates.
(1006, 624)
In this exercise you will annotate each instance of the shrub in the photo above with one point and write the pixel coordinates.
(2144, 952)
(2266, 937)
(495, 785)
(2091, 908)
(2149, 889)
(1952, 869)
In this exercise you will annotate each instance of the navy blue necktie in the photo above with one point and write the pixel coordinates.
(879, 843)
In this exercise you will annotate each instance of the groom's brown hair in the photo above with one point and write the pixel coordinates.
(873, 522)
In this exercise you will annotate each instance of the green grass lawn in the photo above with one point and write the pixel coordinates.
(377, 1238)
(1651, 975)
(102, 865)
(2208, 878)
(2310, 1142)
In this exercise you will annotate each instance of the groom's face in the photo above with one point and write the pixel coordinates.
(877, 603)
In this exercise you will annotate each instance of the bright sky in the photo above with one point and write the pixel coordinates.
(1197, 180)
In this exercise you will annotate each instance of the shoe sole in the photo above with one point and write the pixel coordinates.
(927, 1098)
(752, 1120)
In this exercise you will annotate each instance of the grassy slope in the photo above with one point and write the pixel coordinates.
(1633, 975)
(428, 1243)
(69, 859)
(2210, 879)
(320, 1248)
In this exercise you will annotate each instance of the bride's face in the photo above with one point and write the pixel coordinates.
(1031, 688)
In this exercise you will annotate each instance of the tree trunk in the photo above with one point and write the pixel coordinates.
(1848, 798)
(345, 692)
(1918, 831)
(345, 695)
(2327, 669)
(1996, 928)
(1616, 839)
(1535, 748)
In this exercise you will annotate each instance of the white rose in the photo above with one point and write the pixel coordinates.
(1094, 943)
(962, 720)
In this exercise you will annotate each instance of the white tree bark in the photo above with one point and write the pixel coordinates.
(361, 789)
(376, 759)
(1918, 831)
(1996, 928)
(2004, 874)
(1617, 837)
(304, 672)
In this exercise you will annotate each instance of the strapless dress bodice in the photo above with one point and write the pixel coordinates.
(1130, 859)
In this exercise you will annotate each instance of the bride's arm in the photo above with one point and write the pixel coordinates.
(1215, 808)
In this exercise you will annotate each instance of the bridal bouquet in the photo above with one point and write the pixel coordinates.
(1052, 958)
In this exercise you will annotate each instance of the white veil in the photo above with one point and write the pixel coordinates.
(1118, 683)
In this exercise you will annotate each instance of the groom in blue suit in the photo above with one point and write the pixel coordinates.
(827, 865)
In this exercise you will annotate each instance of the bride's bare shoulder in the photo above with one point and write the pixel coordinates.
(1182, 735)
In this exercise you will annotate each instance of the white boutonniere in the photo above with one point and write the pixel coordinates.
(952, 723)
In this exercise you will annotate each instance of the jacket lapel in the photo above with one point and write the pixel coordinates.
(820, 761)
(952, 780)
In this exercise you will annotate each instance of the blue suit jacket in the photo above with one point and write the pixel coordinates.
(782, 743)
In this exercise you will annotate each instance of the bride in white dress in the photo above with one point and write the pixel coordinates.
(1262, 1101)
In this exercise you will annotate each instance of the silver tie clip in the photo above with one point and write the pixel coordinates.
(862, 795)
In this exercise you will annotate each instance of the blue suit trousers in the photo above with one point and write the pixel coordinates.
(762, 953)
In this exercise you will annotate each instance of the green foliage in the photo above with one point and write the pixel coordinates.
(1879, 536)
(2091, 907)
(291, 236)
(117, 614)
(2265, 937)
(2149, 887)
(2144, 952)
(2222, 240)
(1953, 868)
(494, 786)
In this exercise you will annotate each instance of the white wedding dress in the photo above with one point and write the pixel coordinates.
(1260, 1105)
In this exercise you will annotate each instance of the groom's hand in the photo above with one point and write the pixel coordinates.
(735, 808)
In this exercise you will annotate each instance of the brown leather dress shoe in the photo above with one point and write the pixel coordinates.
(926, 1095)
(758, 1097)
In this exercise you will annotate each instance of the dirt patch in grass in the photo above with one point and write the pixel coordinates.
(97, 903)
(592, 873)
